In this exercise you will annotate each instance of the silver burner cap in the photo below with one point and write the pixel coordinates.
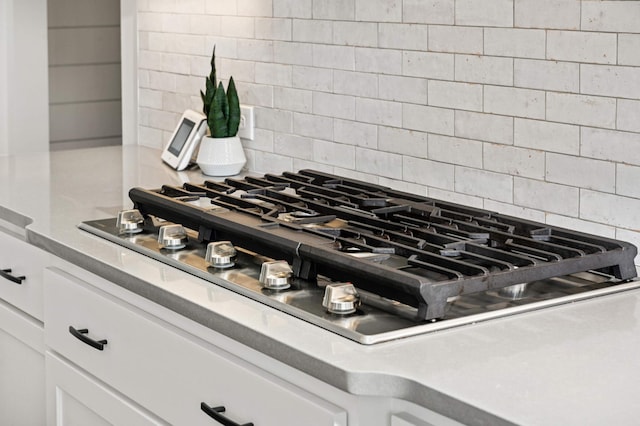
(220, 254)
(276, 275)
(341, 298)
(129, 221)
(172, 237)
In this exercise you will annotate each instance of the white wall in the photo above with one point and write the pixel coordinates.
(84, 73)
(528, 107)
(24, 96)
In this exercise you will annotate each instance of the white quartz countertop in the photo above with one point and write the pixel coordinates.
(576, 364)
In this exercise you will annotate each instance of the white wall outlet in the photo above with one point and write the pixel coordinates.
(246, 128)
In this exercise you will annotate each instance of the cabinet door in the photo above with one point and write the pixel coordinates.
(21, 369)
(74, 398)
(167, 371)
(21, 268)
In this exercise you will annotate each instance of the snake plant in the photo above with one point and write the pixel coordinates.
(221, 109)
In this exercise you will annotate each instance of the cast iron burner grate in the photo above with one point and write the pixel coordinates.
(411, 249)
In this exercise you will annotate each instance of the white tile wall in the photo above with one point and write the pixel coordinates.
(527, 107)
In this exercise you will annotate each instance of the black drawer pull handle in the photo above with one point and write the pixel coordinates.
(81, 335)
(214, 413)
(6, 274)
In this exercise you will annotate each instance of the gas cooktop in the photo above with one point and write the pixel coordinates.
(365, 261)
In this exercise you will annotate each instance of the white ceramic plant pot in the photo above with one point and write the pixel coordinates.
(221, 156)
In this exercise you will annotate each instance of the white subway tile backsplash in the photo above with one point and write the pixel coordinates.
(175, 102)
(547, 75)
(355, 83)
(253, 7)
(609, 209)
(445, 38)
(312, 78)
(292, 99)
(268, 162)
(516, 211)
(428, 65)
(581, 225)
(204, 24)
(627, 180)
(512, 101)
(355, 33)
(484, 127)
(556, 14)
(401, 141)
(465, 96)
(274, 119)
(382, 61)
(514, 160)
(299, 164)
(547, 136)
(428, 11)
(293, 145)
(463, 152)
(515, 42)
(485, 184)
(582, 46)
(313, 126)
(336, 154)
(379, 10)
(334, 10)
(377, 111)
(308, 31)
(400, 185)
(583, 172)
(237, 26)
(581, 109)
(490, 13)
(610, 145)
(355, 133)
(614, 16)
(379, 163)
(214, 7)
(629, 49)
(628, 116)
(546, 196)
(615, 81)
(263, 141)
(255, 50)
(428, 119)
(427, 172)
(292, 53)
(331, 105)
(150, 98)
(402, 89)
(336, 57)
(454, 197)
(484, 69)
(290, 8)
(274, 29)
(403, 36)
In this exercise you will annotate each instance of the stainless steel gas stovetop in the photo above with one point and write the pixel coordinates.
(364, 261)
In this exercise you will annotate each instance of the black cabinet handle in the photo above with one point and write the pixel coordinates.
(214, 413)
(81, 335)
(6, 274)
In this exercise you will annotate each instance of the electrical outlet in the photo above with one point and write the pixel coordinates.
(246, 128)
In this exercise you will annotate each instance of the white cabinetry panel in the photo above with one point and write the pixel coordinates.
(167, 371)
(74, 398)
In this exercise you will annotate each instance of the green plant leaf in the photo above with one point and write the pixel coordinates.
(212, 75)
(218, 113)
(234, 108)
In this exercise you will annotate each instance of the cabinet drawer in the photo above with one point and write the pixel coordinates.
(167, 371)
(21, 266)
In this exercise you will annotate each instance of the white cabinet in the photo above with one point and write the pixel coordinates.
(77, 399)
(170, 373)
(22, 368)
